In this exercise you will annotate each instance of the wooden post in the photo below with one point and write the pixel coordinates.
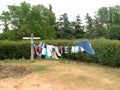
(32, 50)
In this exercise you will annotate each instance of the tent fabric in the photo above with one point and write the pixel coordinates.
(86, 46)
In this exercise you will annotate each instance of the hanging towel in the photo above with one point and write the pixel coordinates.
(43, 51)
(86, 47)
(57, 50)
(54, 55)
(47, 54)
(74, 49)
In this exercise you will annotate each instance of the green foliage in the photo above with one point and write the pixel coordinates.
(38, 68)
(104, 18)
(114, 32)
(26, 19)
(69, 30)
(103, 14)
(11, 35)
(14, 50)
(63, 28)
(107, 51)
(5, 18)
(89, 27)
(78, 28)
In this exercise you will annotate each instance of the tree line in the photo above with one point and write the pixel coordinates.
(22, 20)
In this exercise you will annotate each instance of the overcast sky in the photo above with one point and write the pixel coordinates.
(71, 7)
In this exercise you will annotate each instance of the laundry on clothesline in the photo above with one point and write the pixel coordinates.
(48, 51)
(86, 46)
(55, 52)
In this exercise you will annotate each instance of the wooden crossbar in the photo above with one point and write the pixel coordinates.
(32, 50)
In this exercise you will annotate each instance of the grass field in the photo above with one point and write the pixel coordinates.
(61, 75)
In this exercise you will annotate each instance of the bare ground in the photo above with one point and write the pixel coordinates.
(12, 71)
(65, 76)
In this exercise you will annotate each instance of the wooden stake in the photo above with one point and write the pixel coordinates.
(32, 50)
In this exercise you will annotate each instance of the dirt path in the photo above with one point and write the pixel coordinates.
(61, 76)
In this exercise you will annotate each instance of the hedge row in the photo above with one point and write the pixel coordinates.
(14, 50)
(107, 51)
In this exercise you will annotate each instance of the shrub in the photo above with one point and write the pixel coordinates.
(107, 51)
(12, 49)
(114, 32)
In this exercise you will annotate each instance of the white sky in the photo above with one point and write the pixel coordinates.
(71, 7)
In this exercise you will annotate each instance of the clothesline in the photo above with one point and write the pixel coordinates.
(51, 51)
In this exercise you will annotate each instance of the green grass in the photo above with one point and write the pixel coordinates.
(37, 68)
(26, 63)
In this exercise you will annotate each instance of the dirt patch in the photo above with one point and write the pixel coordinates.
(12, 71)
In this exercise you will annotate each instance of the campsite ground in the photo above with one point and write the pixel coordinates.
(61, 75)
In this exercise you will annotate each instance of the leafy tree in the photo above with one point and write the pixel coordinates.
(64, 28)
(116, 15)
(109, 15)
(5, 19)
(89, 28)
(78, 28)
(10, 35)
(27, 19)
(99, 29)
(103, 16)
(114, 32)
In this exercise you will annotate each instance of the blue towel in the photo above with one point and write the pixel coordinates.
(47, 57)
(86, 46)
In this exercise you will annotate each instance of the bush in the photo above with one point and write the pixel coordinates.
(11, 35)
(16, 50)
(114, 32)
(107, 51)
